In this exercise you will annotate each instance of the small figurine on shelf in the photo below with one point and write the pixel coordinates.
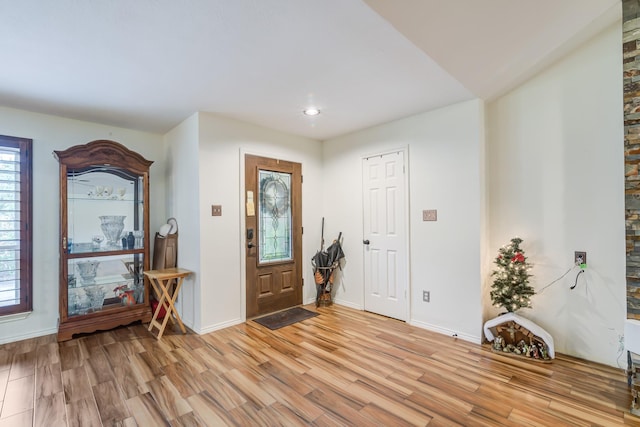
(96, 241)
(509, 348)
(543, 351)
(523, 347)
(119, 290)
(125, 294)
(498, 343)
(535, 352)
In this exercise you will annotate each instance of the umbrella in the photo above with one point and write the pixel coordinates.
(324, 263)
(334, 255)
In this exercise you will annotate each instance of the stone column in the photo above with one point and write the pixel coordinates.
(631, 70)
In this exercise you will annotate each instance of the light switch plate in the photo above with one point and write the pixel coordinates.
(430, 215)
(216, 210)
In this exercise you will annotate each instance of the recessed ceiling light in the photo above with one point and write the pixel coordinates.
(311, 111)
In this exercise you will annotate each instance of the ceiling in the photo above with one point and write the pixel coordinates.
(149, 64)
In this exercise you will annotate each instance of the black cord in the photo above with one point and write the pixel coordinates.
(566, 272)
(576, 283)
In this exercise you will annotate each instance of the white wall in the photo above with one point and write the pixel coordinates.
(445, 167)
(218, 242)
(51, 133)
(182, 200)
(556, 179)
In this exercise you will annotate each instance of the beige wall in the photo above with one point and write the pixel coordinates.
(51, 133)
(212, 172)
(445, 149)
(554, 176)
(556, 179)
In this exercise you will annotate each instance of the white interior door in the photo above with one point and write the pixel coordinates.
(385, 235)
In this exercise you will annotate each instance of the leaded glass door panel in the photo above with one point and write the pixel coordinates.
(273, 236)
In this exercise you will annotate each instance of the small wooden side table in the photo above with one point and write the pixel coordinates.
(161, 281)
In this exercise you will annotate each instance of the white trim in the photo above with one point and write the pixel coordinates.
(243, 241)
(407, 206)
(13, 317)
(632, 335)
(404, 148)
(449, 332)
(349, 304)
(308, 301)
(219, 326)
(34, 334)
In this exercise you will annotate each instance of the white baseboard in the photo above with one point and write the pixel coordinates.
(445, 331)
(34, 334)
(218, 326)
(338, 302)
(349, 304)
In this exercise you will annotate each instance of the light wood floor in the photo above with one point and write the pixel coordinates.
(343, 367)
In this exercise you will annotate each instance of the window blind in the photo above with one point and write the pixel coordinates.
(10, 224)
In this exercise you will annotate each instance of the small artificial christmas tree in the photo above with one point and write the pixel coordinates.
(510, 287)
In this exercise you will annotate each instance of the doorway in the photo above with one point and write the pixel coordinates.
(273, 235)
(386, 267)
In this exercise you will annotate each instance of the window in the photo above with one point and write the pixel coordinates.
(15, 225)
(275, 216)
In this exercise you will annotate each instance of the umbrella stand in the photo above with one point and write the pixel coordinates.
(323, 295)
(324, 265)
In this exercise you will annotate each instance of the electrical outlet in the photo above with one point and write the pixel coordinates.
(426, 296)
(580, 258)
(216, 210)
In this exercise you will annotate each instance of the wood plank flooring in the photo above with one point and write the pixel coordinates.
(343, 367)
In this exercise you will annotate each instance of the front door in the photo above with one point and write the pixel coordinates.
(385, 235)
(273, 235)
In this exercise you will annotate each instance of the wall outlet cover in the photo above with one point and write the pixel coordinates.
(580, 258)
(426, 296)
(430, 215)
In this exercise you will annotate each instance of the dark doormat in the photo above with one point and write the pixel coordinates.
(285, 318)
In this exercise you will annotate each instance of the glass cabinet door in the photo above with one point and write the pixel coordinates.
(105, 244)
(104, 206)
(104, 282)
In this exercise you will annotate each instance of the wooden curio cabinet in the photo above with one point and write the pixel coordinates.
(104, 237)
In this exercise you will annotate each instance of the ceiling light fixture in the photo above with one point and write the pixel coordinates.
(311, 111)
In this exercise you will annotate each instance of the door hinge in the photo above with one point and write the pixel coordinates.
(301, 179)
(303, 282)
(302, 230)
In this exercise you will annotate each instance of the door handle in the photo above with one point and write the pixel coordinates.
(366, 242)
(250, 245)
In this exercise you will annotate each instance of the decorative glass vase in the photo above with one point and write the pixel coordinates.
(112, 226)
(95, 296)
(88, 270)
